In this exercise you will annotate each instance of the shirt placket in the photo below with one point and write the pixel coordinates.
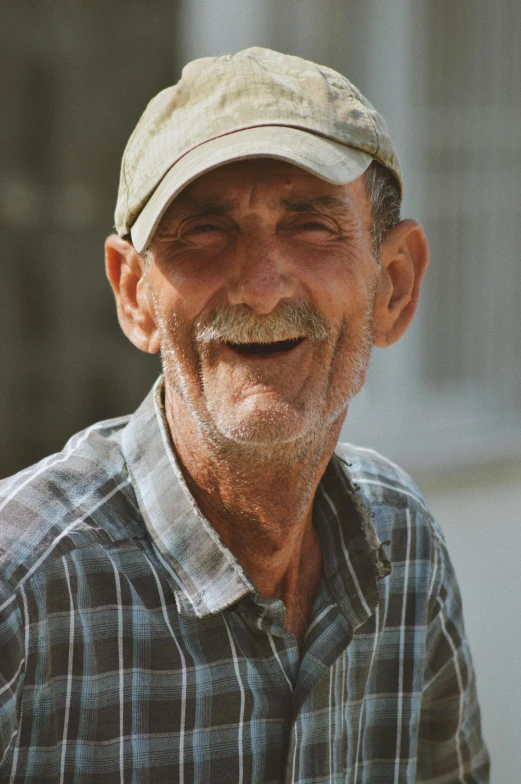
(315, 700)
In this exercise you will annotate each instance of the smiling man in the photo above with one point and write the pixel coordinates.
(213, 589)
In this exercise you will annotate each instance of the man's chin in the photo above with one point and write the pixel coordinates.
(274, 432)
(263, 430)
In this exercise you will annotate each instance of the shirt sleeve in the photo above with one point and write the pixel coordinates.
(12, 663)
(450, 748)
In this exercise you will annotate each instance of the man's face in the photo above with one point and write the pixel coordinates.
(263, 280)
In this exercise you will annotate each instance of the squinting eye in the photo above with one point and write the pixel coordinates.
(204, 228)
(314, 226)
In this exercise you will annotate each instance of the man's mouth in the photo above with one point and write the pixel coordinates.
(265, 349)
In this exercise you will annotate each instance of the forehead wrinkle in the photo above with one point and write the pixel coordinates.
(324, 205)
(187, 205)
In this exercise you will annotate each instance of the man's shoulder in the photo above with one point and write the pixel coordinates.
(387, 490)
(382, 480)
(68, 500)
(399, 512)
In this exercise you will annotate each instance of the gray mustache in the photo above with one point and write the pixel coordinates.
(239, 324)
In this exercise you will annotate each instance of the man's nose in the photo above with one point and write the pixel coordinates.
(261, 274)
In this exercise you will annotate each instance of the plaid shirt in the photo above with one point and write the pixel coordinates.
(134, 648)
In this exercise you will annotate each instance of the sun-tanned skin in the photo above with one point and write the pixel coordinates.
(254, 432)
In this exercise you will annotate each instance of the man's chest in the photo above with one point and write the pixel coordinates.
(118, 683)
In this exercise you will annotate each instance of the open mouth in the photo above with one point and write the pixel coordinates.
(265, 349)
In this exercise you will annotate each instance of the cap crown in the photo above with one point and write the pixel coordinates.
(256, 87)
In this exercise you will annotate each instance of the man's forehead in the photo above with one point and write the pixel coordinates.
(256, 171)
(289, 187)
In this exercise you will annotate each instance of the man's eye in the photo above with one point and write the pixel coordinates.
(314, 226)
(204, 228)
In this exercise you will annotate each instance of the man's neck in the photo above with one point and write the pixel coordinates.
(260, 507)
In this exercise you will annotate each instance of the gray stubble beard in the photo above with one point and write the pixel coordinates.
(286, 453)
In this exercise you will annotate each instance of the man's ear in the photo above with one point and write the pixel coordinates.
(404, 256)
(126, 272)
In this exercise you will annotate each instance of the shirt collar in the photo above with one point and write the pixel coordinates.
(353, 556)
(207, 577)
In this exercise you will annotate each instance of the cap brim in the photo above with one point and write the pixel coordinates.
(331, 161)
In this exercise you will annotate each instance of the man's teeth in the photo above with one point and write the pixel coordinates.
(265, 348)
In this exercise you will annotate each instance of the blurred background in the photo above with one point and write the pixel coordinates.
(445, 402)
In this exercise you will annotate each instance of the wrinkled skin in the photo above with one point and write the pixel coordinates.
(258, 254)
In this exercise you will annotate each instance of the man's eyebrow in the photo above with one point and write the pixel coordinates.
(324, 205)
(189, 206)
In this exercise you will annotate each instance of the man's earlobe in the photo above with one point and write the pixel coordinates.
(126, 273)
(404, 258)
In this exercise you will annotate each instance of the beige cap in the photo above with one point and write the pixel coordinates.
(256, 103)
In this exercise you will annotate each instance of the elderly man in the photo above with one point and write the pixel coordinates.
(214, 590)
